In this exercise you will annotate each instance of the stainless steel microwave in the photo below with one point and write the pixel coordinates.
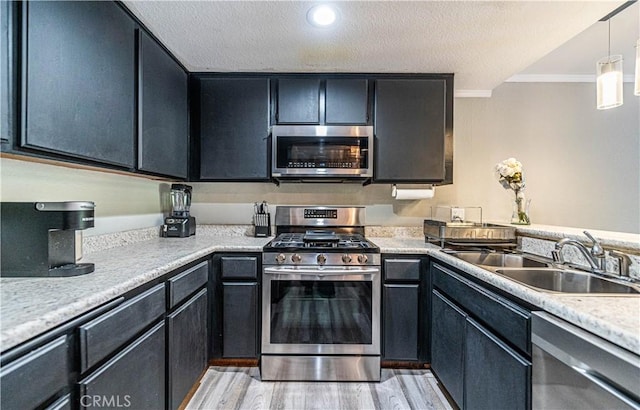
(319, 152)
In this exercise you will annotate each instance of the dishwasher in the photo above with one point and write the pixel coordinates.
(575, 369)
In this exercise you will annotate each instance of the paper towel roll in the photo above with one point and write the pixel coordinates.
(412, 194)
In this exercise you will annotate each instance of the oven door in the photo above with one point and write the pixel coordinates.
(322, 151)
(312, 310)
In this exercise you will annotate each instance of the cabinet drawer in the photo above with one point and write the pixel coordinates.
(504, 317)
(134, 378)
(239, 267)
(402, 269)
(35, 377)
(103, 335)
(186, 283)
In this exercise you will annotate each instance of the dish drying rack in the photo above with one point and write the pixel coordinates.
(462, 227)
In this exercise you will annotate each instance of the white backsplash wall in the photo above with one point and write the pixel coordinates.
(215, 203)
(123, 202)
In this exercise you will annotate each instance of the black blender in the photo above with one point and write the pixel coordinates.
(179, 224)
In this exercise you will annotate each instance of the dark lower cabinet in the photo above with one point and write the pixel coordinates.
(187, 349)
(410, 130)
(400, 303)
(405, 309)
(240, 320)
(79, 80)
(163, 131)
(32, 379)
(231, 128)
(495, 376)
(8, 75)
(133, 378)
(235, 306)
(477, 349)
(447, 345)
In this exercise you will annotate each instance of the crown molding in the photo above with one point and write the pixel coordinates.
(558, 78)
(472, 93)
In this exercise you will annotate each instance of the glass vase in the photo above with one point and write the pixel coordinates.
(520, 213)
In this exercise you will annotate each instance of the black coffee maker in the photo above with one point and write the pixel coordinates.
(179, 224)
(41, 239)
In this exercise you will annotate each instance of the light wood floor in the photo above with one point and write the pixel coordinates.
(240, 388)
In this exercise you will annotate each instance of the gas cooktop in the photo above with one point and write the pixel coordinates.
(320, 241)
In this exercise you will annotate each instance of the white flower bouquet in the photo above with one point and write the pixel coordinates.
(510, 176)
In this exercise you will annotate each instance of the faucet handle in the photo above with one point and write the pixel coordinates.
(623, 262)
(596, 249)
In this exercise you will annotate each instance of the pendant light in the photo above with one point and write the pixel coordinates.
(637, 88)
(609, 79)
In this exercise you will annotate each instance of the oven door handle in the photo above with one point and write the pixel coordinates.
(321, 272)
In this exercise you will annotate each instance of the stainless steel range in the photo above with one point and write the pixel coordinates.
(320, 297)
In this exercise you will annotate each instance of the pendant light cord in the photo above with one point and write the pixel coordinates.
(609, 49)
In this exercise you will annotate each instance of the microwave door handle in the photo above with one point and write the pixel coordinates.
(321, 272)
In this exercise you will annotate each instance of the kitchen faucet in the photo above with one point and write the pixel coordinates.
(595, 257)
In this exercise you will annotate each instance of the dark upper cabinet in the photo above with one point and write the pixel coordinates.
(162, 111)
(298, 101)
(347, 101)
(410, 130)
(320, 100)
(79, 80)
(233, 128)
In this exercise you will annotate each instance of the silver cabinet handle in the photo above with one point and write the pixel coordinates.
(321, 272)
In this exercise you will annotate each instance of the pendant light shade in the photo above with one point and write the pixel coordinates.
(637, 87)
(609, 79)
(609, 82)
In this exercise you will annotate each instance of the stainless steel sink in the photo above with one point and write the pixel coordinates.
(498, 259)
(567, 281)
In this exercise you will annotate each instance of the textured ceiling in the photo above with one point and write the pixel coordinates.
(481, 42)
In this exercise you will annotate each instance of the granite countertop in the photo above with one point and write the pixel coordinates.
(614, 318)
(31, 306)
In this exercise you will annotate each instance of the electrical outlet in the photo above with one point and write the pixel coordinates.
(457, 214)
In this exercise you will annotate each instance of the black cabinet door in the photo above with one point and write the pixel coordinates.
(234, 129)
(133, 378)
(187, 349)
(447, 345)
(162, 111)
(7, 74)
(410, 130)
(401, 325)
(346, 101)
(298, 101)
(32, 379)
(79, 80)
(496, 377)
(240, 320)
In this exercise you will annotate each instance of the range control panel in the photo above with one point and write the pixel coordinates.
(321, 213)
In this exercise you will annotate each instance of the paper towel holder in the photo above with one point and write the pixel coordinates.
(424, 192)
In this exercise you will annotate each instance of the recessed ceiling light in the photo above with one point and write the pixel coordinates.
(322, 15)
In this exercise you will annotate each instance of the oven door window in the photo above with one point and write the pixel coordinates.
(322, 152)
(321, 312)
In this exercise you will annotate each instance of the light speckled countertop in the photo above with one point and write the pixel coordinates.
(29, 307)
